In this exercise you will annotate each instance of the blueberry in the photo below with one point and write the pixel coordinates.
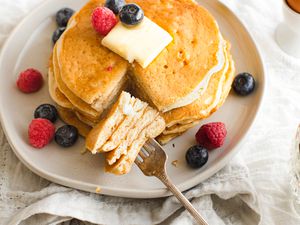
(63, 16)
(243, 84)
(66, 136)
(196, 156)
(131, 14)
(46, 111)
(57, 33)
(115, 5)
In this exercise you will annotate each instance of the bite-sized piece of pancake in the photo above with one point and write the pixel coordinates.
(124, 164)
(174, 78)
(203, 105)
(127, 124)
(147, 118)
(69, 117)
(56, 95)
(90, 71)
(103, 131)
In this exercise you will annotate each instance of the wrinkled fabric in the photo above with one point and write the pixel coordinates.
(258, 186)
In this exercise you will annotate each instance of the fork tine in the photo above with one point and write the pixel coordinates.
(149, 148)
(138, 160)
(154, 144)
(139, 164)
(144, 150)
(142, 154)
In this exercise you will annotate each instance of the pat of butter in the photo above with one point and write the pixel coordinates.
(142, 43)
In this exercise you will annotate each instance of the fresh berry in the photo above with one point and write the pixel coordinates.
(103, 20)
(30, 81)
(131, 14)
(57, 33)
(46, 111)
(40, 132)
(196, 156)
(66, 136)
(63, 16)
(211, 135)
(244, 84)
(115, 5)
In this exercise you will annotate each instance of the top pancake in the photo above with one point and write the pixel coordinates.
(183, 64)
(89, 70)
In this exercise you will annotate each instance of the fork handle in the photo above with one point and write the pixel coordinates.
(186, 203)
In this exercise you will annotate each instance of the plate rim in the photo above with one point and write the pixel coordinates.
(138, 193)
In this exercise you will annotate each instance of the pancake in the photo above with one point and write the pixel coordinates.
(80, 105)
(174, 78)
(227, 85)
(124, 164)
(90, 71)
(165, 138)
(103, 131)
(56, 95)
(122, 133)
(202, 106)
(181, 128)
(149, 116)
(176, 130)
(127, 124)
(69, 117)
(86, 120)
(59, 98)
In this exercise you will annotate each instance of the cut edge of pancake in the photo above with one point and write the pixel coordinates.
(148, 116)
(122, 133)
(201, 107)
(124, 164)
(102, 132)
(165, 138)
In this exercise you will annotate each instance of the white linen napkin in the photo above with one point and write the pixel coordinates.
(255, 188)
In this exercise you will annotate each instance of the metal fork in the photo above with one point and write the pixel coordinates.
(152, 161)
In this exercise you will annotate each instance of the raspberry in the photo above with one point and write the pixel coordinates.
(40, 132)
(103, 20)
(30, 81)
(211, 135)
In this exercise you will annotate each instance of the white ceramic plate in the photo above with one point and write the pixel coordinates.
(30, 46)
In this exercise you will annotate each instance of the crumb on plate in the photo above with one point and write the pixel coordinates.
(174, 163)
(83, 151)
(98, 190)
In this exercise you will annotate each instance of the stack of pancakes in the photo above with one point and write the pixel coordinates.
(188, 81)
(123, 132)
